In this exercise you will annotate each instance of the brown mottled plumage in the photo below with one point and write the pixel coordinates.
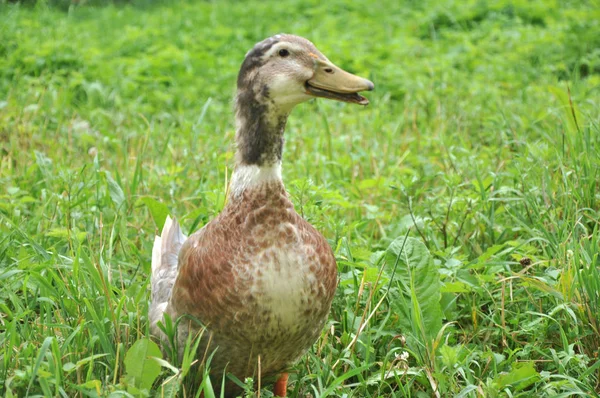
(258, 277)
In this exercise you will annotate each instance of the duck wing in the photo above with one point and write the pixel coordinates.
(165, 254)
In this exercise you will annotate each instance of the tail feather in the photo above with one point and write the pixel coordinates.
(165, 254)
(166, 247)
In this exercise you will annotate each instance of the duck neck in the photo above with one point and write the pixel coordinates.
(259, 138)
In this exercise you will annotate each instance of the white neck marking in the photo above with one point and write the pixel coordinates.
(247, 176)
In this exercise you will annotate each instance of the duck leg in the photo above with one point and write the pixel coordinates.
(280, 388)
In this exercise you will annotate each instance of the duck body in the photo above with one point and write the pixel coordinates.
(258, 278)
(267, 279)
(264, 287)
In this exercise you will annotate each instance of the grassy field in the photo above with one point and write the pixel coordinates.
(481, 144)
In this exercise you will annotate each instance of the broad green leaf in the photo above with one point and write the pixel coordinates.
(489, 253)
(419, 302)
(451, 355)
(166, 364)
(170, 389)
(455, 287)
(139, 367)
(65, 233)
(114, 190)
(95, 385)
(159, 211)
(372, 273)
(522, 375)
(69, 366)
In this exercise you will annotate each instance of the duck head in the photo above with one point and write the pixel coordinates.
(277, 74)
(287, 70)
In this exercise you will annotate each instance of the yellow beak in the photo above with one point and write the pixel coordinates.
(332, 82)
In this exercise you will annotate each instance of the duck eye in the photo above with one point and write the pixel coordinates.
(283, 52)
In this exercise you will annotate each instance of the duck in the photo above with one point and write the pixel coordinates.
(258, 279)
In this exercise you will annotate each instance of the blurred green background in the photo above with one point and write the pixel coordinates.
(482, 141)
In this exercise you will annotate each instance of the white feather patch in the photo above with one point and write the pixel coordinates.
(247, 176)
(285, 279)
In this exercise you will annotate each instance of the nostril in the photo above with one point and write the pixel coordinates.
(328, 70)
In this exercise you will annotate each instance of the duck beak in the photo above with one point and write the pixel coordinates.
(331, 82)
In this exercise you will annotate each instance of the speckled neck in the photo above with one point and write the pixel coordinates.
(260, 127)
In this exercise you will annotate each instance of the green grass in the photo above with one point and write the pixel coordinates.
(482, 141)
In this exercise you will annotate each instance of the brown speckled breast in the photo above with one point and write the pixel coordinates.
(261, 279)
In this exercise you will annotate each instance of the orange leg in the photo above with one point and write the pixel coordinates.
(280, 389)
